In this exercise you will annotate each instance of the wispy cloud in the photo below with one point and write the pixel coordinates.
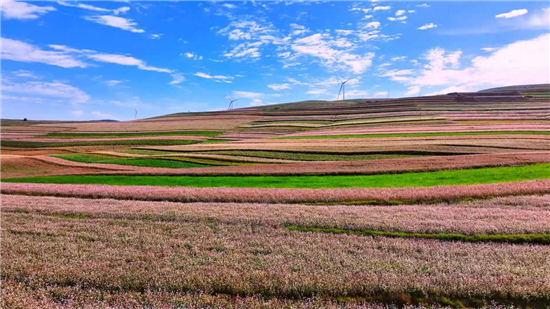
(56, 90)
(217, 78)
(93, 8)
(511, 14)
(22, 10)
(278, 87)
(177, 79)
(24, 52)
(427, 26)
(115, 21)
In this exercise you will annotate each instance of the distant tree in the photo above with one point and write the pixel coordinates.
(24, 119)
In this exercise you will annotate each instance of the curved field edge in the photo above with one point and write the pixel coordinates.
(541, 239)
(418, 179)
(129, 142)
(428, 134)
(370, 196)
(382, 166)
(69, 135)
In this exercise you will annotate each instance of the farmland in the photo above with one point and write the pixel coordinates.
(426, 201)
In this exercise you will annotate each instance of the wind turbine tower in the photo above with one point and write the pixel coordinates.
(231, 103)
(343, 88)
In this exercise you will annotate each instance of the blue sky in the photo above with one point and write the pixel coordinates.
(104, 59)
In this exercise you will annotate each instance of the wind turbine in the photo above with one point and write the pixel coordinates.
(135, 116)
(231, 102)
(343, 88)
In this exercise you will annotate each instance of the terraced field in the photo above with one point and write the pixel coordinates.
(425, 201)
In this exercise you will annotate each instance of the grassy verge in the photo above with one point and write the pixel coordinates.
(542, 239)
(129, 161)
(152, 142)
(132, 134)
(424, 179)
(416, 134)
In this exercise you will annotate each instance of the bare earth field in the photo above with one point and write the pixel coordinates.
(426, 202)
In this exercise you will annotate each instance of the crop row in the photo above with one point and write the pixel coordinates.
(381, 135)
(263, 195)
(142, 142)
(505, 215)
(69, 135)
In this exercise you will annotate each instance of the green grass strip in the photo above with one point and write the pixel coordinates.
(129, 161)
(416, 134)
(132, 134)
(423, 179)
(541, 239)
(145, 142)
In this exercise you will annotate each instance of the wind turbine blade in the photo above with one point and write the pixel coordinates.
(342, 86)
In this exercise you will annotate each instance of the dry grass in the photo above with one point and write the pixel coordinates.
(261, 195)
(238, 253)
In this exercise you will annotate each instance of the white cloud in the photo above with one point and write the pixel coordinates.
(402, 18)
(511, 14)
(278, 87)
(121, 10)
(194, 56)
(489, 49)
(177, 79)
(413, 90)
(25, 73)
(113, 82)
(528, 60)
(424, 5)
(77, 113)
(217, 78)
(381, 94)
(247, 95)
(381, 8)
(372, 25)
(155, 36)
(411, 11)
(400, 58)
(427, 26)
(115, 21)
(24, 52)
(330, 53)
(21, 10)
(126, 60)
(400, 12)
(83, 6)
(229, 6)
(317, 91)
(94, 8)
(54, 89)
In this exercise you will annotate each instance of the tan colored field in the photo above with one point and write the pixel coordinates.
(407, 241)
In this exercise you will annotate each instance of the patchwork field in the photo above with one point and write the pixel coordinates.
(439, 201)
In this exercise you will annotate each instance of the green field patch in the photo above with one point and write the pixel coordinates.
(84, 158)
(132, 134)
(304, 156)
(422, 179)
(145, 142)
(215, 141)
(428, 134)
(541, 239)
